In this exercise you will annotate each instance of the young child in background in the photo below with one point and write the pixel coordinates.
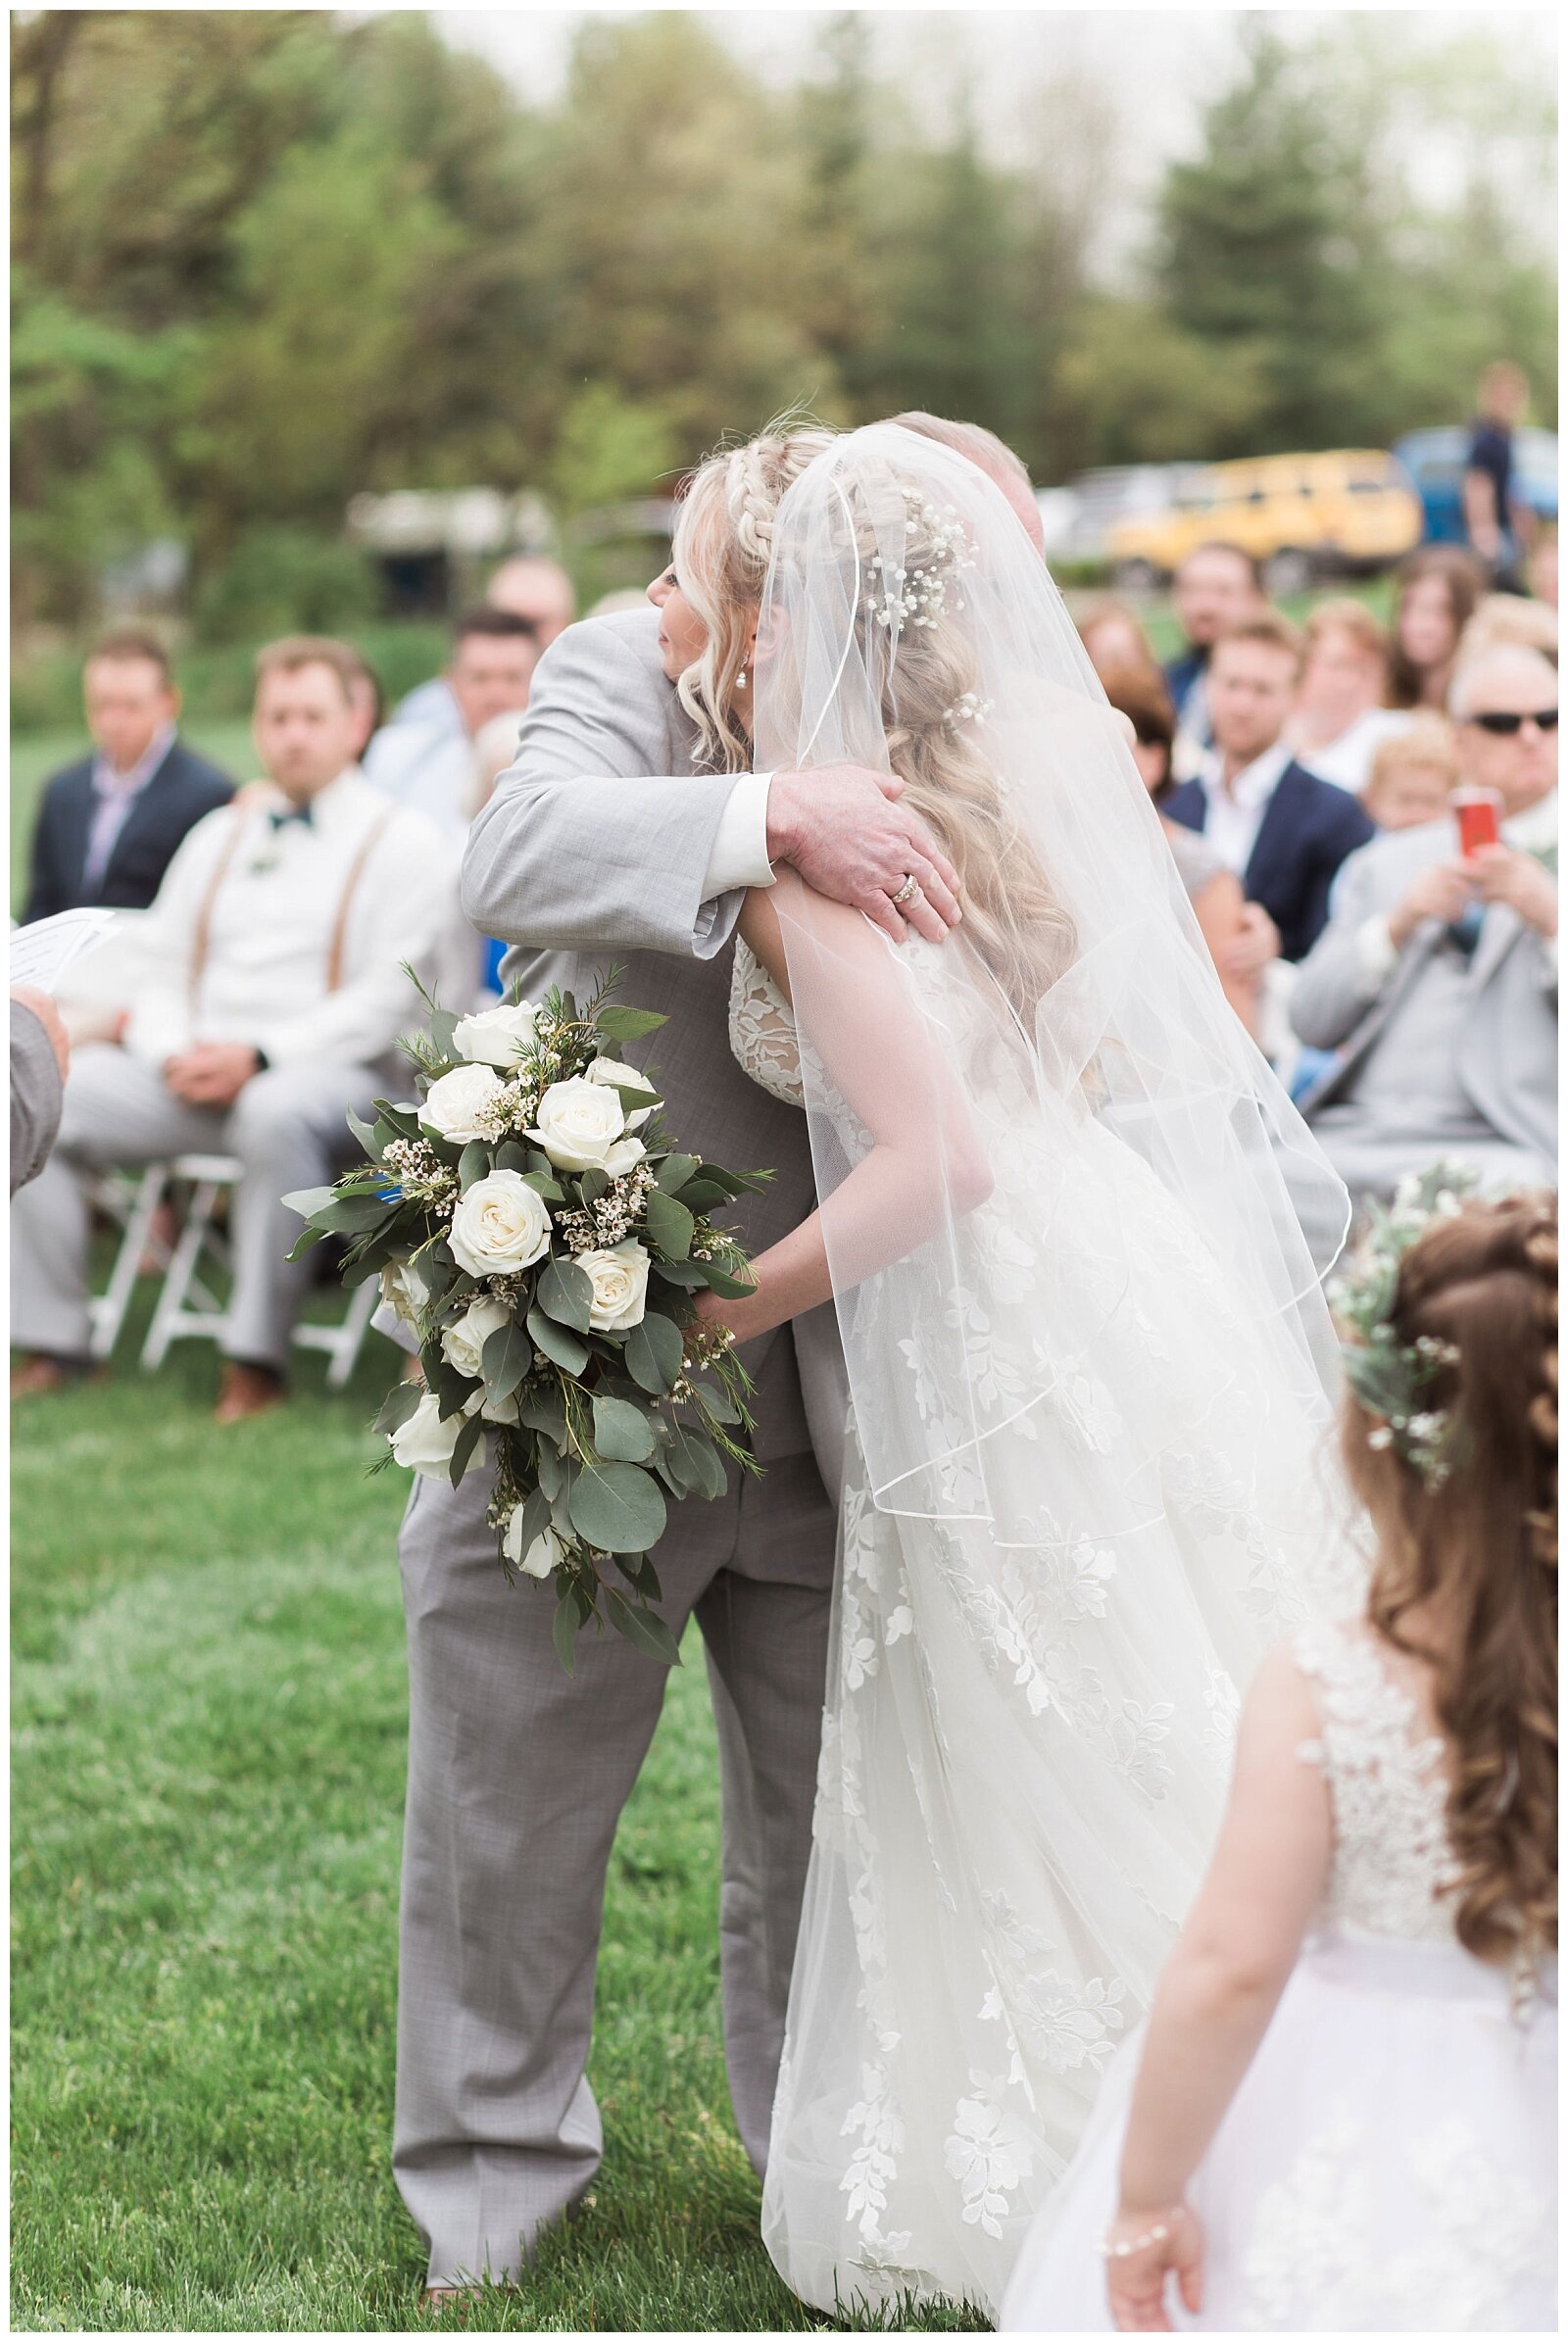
(1343, 2119)
(1413, 776)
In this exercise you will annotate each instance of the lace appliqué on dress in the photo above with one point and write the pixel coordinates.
(1393, 1863)
(761, 1029)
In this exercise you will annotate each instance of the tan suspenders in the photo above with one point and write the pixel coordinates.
(202, 935)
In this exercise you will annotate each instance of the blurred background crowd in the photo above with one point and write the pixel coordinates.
(349, 374)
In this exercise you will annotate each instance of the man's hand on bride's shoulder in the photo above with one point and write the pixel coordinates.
(844, 830)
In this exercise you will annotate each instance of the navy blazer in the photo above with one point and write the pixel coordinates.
(180, 792)
(1307, 829)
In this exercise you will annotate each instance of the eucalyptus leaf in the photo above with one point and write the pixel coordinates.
(643, 1629)
(308, 1202)
(622, 1433)
(399, 1402)
(303, 1243)
(617, 1507)
(674, 1171)
(592, 1184)
(544, 1410)
(695, 1461)
(559, 1343)
(702, 1194)
(627, 1024)
(473, 1163)
(368, 1134)
(670, 1224)
(510, 1156)
(564, 1631)
(443, 1024)
(504, 1360)
(653, 1352)
(565, 1293)
(469, 1440)
(690, 1275)
(552, 1473)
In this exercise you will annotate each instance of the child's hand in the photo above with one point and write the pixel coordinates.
(1162, 2244)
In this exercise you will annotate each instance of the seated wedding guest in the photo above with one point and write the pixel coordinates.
(1282, 830)
(1510, 618)
(1217, 587)
(1114, 638)
(1341, 2114)
(1413, 775)
(1436, 977)
(274, 991)
(1215, 893)
(430, 768)
(41, 1056)
(1340, 714)
(107, 827)
(533, 588)
(1436, 595)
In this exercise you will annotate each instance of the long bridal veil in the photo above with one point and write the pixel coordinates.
(1076, 1234)
(900, 579)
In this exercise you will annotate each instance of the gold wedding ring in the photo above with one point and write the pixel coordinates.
(906, 893)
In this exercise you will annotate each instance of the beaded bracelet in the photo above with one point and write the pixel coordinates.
(1160, 2234)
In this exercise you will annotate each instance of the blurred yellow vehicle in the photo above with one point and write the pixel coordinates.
(1353, 509)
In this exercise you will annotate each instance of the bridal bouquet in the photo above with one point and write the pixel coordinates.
(543, 1237)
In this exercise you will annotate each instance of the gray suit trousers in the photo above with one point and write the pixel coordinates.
(517, 1775)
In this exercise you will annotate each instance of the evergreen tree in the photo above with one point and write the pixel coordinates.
(1262, 258)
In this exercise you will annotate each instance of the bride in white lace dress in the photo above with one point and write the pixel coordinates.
(1382, 2157)
(1059, 1213)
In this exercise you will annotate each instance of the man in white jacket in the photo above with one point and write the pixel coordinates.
(275, 991)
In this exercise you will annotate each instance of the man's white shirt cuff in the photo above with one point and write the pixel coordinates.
(1376, 953)
(739, 858)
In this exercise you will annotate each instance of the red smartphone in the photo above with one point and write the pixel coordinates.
(1476, 812)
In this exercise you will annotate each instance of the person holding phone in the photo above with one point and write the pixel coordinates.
(1435, 979)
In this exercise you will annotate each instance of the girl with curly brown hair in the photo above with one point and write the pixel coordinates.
(1343, 2119)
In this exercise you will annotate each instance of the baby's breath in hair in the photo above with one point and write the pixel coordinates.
(1389, 1377)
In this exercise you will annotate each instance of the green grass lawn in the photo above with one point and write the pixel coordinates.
(207, 1786)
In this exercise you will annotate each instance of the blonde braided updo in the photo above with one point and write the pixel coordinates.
(723, 544)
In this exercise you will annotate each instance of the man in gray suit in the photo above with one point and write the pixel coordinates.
(1437, 976)
(601, 844)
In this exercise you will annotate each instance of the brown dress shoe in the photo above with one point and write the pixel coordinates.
(247, 1391)
(40, 1374)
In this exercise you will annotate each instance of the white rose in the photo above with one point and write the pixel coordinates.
(464, 1338)
(425, 1443)
(612, 1072)
(542, 1555)
(495, 1035)
(452, 1105)
(404, 1291)
(500, 1225)
(620, 1278)
(580, 1123)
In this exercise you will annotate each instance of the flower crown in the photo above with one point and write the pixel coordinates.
(1389, 1376)
(901, 598)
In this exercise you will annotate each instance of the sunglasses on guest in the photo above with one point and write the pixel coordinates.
(1506, 724)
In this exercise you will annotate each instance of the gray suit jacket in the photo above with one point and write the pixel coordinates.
(593, 849)
(1505, 1047)
(36, 1092)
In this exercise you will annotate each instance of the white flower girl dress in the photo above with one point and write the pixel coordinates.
(1388, 2165)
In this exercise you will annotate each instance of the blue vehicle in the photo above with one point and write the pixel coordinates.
(1435, 462)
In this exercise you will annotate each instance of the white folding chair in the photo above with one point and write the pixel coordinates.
(186, 1306)
(188, 1309)
(133, 1200)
